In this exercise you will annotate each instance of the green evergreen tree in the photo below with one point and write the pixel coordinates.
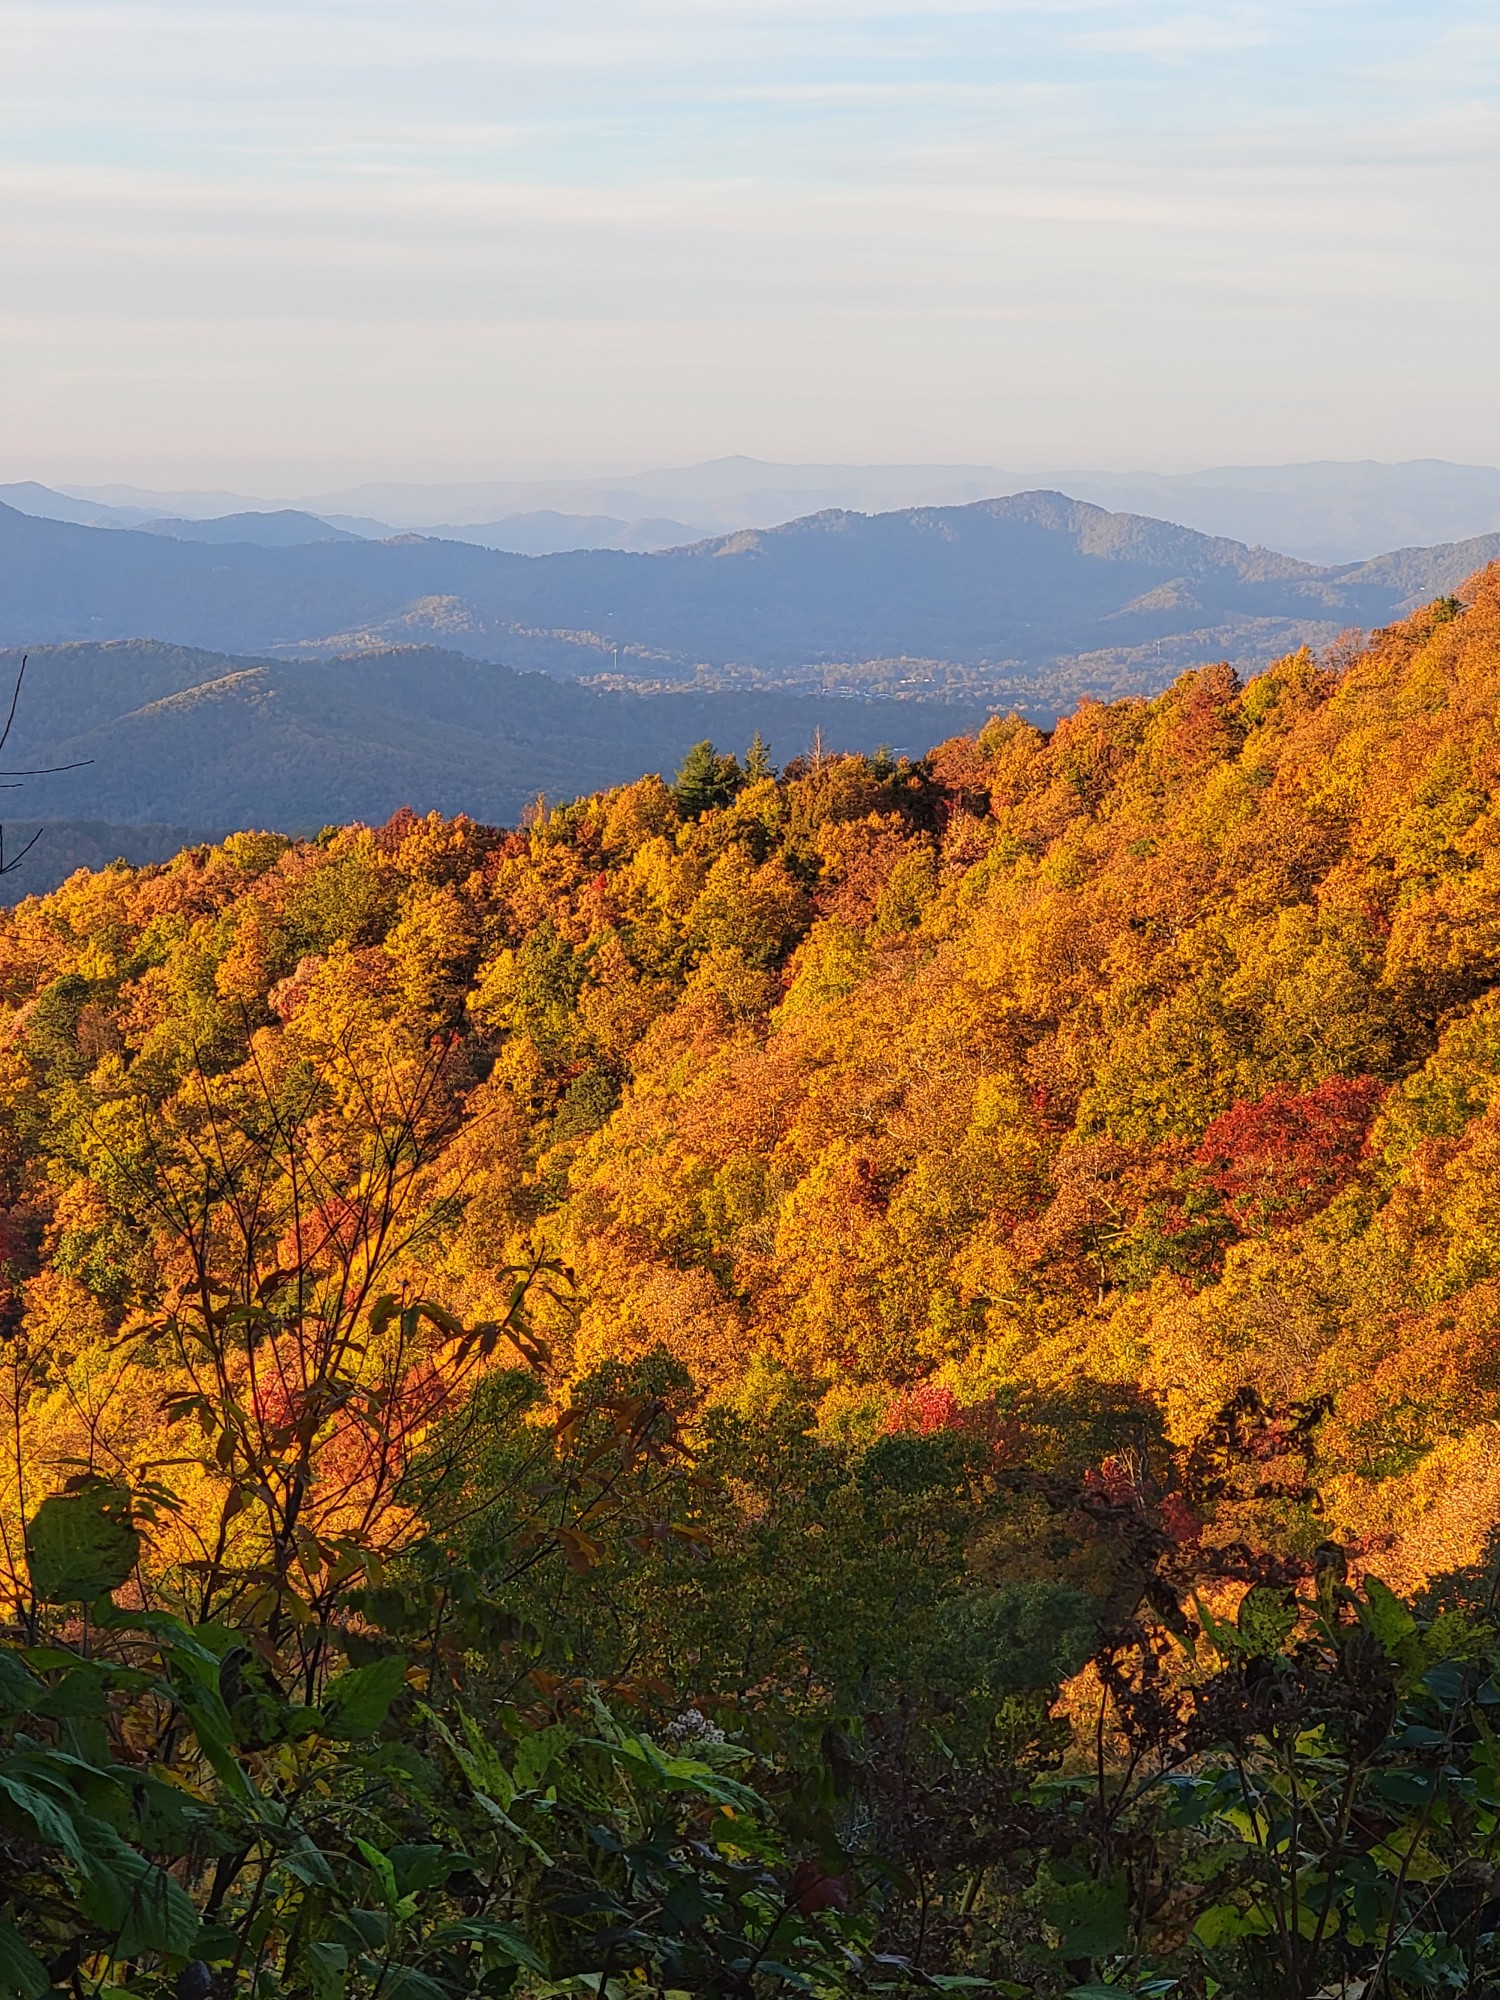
(706, 780)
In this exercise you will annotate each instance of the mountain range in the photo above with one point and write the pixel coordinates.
(1324, 512)
(1029, 600)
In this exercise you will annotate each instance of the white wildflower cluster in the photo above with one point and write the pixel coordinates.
(693, 1726)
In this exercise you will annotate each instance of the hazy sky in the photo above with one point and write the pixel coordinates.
(285, 246)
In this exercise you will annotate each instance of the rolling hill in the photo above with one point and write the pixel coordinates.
(281, 528)
(178, 736)
(1033, 598)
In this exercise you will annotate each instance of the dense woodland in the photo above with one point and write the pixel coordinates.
(875, 1378)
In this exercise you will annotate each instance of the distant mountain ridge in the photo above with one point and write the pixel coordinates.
(281, 528)
(1325, 512)
(545, 532)
(1029, 599)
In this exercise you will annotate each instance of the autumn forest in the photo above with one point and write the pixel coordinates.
(874, 1376)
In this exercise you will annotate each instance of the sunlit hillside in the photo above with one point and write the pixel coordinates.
(874, 1379)
(1161, 1051)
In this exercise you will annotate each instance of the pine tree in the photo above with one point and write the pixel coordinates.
(706, 780)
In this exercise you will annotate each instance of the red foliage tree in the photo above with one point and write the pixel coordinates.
(925, 1410)
(1284, 1157)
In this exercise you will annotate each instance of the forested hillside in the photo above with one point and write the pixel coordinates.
(146, 733)
(1158, 1048)
(1042, 1189)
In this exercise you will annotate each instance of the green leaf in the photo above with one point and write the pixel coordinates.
(308, 1863)
(53, 1824)
(146, 1908)
(1385, 1615)
(1102, 1990)
(676, 1774)
(1224, 1923)
(536, 1751)
(82, 1691)
(487, 1776)
(502, 1938)
(423, 1866)
(1090, 1917)
(327, 1969)
(366, 1930)
(217, 1944)
(205, 1710)
(82, 1545)
(380, 1867)
(357, 1703)
(19, 1690)
(1223, 1637)
(404, 1982)
(1265, 1619)
(21, 1971)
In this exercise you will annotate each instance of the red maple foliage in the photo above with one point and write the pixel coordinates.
(1284, 1157)
(925, 1410)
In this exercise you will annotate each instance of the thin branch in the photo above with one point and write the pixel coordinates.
(15, 697)
(48, 770)
(8, 867)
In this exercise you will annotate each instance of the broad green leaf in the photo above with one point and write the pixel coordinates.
(81, 1545)
(1223, 1637)
(307, 1862)
(357, 1703)
(484, 1759)
(677, 1774)
(501, 1938)
(1385, 1615)
(1150, 1989)
(366, 1930)
(536, 1751)
(1090, 1917)
(53, 1823)
(424, 1866)
(1406, 1852)
(21, 1971)
(1226, 1922)
(205, 1710)
(1266, 1618)
(81, 1691)
(147, 1909)
(486, 1775)
(217, 1944)
(327, 1969)
(19, 1689)
(404, 1982)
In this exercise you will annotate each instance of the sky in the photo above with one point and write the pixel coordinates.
(285, 247)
